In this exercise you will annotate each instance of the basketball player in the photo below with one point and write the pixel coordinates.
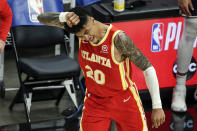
(5, 22)
(184, 54)
(105, 53)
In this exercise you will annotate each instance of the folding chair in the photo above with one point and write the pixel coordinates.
(42, 73)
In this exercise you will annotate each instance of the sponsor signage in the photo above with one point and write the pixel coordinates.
(158, 39)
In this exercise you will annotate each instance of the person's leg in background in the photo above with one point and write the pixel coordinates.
(184, 55)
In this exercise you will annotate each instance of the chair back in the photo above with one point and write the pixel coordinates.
(37, 36)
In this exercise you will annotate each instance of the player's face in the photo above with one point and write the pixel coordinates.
(89, 32)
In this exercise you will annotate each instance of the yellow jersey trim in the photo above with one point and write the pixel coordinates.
(122, 75)
(104, 38)
(128, 67)
(112, 48)
(139, 104)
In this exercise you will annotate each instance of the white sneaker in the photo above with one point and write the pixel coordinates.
(195, 95)
(178, 100)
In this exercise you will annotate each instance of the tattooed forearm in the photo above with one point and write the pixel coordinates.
(50, 19)
(127, 48)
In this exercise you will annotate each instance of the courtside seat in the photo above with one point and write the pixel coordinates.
(49, 72)
(51, 68)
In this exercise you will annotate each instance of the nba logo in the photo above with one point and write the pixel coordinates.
(35, 8)
(157, 37)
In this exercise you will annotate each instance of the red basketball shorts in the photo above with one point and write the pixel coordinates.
(125, 109)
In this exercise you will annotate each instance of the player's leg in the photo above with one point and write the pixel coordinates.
(92, 123)
(95, 114)
(128, 112)
(184, 55)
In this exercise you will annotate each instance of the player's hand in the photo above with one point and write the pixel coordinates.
(72, 19)
(2, 46)
(157, 117)
(185, 6)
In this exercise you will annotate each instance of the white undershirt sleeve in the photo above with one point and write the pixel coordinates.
(62, 16)
(153, 86)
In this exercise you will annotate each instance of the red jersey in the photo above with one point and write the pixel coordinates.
(5, 19)
(104, 76)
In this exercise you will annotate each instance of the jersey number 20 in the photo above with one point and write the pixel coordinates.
(97, 75)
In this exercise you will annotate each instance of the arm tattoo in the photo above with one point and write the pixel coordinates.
(50, 19)
(127, 48)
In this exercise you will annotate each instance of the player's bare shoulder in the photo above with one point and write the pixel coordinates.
(127, 48)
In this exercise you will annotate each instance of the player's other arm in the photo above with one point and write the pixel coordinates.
(58, 19)
(127, 48)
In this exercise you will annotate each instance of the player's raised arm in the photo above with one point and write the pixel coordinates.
(58, 19)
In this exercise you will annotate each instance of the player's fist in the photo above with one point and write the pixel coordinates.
(72, 19)
(157, 117)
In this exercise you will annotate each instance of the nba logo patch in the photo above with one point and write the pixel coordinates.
(104, 49)
(35, 8)
(157, 37)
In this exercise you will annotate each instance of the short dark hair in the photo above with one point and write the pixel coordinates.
(83, 16)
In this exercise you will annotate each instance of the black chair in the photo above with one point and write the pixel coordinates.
(49, 72)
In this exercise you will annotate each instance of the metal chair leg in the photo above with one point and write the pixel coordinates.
(27, 110)
(60, 96)
(15, 99)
